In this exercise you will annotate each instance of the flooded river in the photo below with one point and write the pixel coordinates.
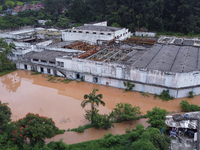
(61, 102)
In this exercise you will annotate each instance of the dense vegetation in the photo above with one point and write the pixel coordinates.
(6, 50)
(156, 15)
(31, 17)
(136, 139)
(156, 118)
(189, 107)
(167, 16)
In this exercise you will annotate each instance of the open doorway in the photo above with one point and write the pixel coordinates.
(77, 76)
(25, 67)
(41, 69)
(95, 79)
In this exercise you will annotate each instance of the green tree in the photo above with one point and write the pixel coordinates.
(126, 112)
(5, 115)
(34, 127)
(2, 2)
(9, 4)
(148, 139)
(4, 7)
(92, 99)
(156, 117)
(53, 6)
(5, 51)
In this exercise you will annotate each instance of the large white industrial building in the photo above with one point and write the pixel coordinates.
(169, 64)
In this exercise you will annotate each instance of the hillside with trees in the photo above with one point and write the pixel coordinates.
(155, 15)
(167, 16)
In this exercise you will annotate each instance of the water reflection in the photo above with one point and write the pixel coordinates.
(11, 82)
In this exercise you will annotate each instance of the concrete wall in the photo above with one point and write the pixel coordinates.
(152, 81)
(39, 47)
(12, 36)
(89, 37)
(148, 34)
(104, 23)
(16, 29)
(93, 36)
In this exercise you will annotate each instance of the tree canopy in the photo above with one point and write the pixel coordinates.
(5, 51)
(156, 117)
(157, 15)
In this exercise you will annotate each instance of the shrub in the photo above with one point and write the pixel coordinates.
(102, 121)
(88, 114)
(129, 86)
(60, 145)
(191, 94)
(80, 129)
(164, 96)
(187, 107)
(59, 131)
(109, 140)
(36, 73)
(126, 112)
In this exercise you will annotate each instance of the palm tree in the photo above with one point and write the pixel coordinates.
(92, 98)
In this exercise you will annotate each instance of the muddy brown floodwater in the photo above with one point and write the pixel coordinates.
(61, 102)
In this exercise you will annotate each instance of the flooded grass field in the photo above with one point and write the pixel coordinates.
(61, 102)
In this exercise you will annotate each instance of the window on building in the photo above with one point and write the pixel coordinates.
(62, 64)
(69, 30)
(58, 63)
(48, 70)
(43, 61)
(35, 59)
(109, 33)
(80, 32)
(74, 31)
(87, 32)
(94, 32)
(102, 33)
(95, 79)
(51, 62)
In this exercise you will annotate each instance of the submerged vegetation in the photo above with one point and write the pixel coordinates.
(189, 107)
(129, 86)
(36, 73)
(165, 96)
(191, 94)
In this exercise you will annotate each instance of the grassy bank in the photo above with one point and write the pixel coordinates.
(6, 72)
